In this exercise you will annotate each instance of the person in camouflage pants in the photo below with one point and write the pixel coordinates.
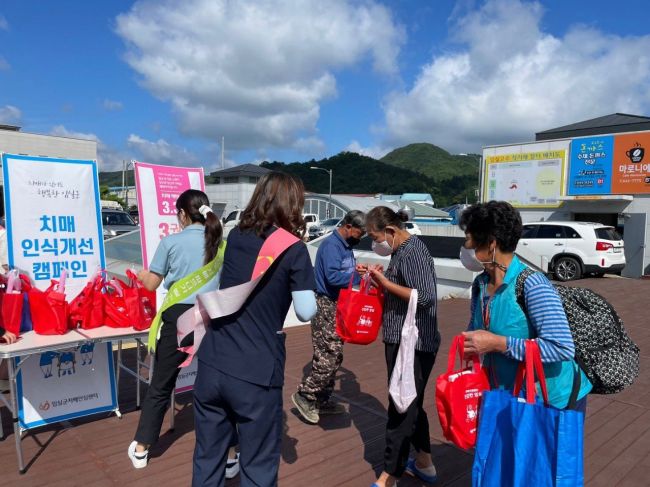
(328, 353)
(335, 267)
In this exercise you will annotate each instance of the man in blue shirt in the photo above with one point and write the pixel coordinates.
(335, 267)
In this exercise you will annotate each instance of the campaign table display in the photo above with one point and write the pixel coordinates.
(107, 334)
(20, 353)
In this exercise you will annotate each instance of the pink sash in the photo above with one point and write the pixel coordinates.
(225, 302)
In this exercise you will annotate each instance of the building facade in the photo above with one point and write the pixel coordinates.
(13, 141)
(597, 170)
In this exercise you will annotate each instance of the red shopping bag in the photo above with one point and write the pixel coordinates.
(359, 313)
(49, 309)
(140, 303)
(115, 313)
(87, 308)
(11, 308)
(458, 395)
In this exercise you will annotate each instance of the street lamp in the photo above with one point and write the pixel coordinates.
(329, 203)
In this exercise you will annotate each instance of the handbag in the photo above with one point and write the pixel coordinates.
(115, 312)
(524, 441)
(458, 394)
(402, 381)
(12, 309)
(87, 308)
(139, 302)
(359, 313)
(49, 309)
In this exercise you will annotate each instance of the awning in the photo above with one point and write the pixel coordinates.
(598, 197)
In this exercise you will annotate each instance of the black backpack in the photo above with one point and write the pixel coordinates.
(603, 349)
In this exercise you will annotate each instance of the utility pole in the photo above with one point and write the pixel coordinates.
(223, 152)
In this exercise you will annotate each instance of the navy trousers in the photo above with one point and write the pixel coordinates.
(223, 403)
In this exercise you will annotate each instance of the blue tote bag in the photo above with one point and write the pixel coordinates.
(523, 441)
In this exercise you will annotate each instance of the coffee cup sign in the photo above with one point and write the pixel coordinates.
(635, 153)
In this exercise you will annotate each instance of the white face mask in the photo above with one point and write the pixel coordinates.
(383, 248)
(469, 260)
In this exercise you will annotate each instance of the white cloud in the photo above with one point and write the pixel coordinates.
(4, 25)
(108, 158)
(255, 72)
(10, 114)
(375, 152)
(112, 105)
(162, 152)
(510, 79)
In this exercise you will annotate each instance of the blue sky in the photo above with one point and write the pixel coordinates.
(163, 81)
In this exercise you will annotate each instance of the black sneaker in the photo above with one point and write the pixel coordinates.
(331, 407)
(307, 409)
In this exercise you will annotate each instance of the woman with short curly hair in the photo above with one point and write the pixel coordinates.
(498, 326)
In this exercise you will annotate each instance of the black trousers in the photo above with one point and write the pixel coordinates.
(411, 427)
(222, 404)
(167, 359)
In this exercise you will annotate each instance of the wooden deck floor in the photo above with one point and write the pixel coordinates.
(345, 450)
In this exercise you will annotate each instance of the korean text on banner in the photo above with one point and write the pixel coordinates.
(631, 165)
(53, 219)
(590, 169)
(66, 384)
(158, 188)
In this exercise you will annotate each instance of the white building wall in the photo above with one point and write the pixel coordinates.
(24, 143)
(234, 195)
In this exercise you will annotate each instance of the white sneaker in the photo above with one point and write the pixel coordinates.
(232, 467)
(139, 459)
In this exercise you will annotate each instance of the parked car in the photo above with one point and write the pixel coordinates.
(413, 228)
(311, 220)
(569, 250)
(135, 216)
(325, 227)
(231, 221)
(117, 222)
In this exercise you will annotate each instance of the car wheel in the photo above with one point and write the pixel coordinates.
(567, 269)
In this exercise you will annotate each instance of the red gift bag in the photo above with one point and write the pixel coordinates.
(115, 313)
(458, 395)
(11, 308)
(87, 308)
(49, 310)
(359, 313)
(140, 303)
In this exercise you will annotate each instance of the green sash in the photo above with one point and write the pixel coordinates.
(185, 287)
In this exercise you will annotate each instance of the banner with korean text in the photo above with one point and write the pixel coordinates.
(53, 219)
(526, 175)
(66, 384)
(158, 188)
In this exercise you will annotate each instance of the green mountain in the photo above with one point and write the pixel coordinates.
(357, 174)
(433, 161)
(114, 178)
(415, 168)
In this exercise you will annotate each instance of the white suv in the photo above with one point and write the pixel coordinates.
(571, 249)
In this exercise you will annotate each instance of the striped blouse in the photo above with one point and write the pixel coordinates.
(547, 317)
(411, 265)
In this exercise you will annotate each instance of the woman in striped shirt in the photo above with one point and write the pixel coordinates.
(498, 327)
(411, 267)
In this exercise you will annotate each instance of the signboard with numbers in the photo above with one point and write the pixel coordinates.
(157, 189)
(53, 219)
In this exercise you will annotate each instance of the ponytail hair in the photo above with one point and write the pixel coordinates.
(381, 216)
(190, 202)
